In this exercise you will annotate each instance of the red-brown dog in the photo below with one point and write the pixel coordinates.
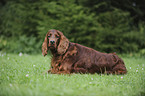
(74, 58)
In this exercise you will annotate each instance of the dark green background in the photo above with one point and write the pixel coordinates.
(105, 25)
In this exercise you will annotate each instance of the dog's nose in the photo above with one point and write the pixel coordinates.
(52, 42)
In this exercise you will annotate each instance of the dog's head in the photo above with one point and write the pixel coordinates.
(55, 40)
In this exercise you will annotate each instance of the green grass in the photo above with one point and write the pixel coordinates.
(22, 76)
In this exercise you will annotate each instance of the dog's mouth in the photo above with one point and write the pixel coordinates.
(51, 47)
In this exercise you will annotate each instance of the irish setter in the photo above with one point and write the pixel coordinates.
(71, 57)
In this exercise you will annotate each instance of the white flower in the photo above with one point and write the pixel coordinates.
(8, 77)
(138, 65)
(91, 78)
(130, 67)
(27, 75)
(10, 85)
(90, 82)
(136, 70)
(142, 68)
(20, 54)
(8, 58)
(121, 77)
(33, 65)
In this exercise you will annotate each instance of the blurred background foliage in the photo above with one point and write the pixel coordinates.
(105, 25)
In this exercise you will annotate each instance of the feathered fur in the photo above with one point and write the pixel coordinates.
(71, 57)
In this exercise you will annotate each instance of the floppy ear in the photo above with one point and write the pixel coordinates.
(45, 46)
(63, 44)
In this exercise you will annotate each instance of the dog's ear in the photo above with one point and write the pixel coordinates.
(63, 44)
(45, 46)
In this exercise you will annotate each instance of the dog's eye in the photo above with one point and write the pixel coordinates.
(49, 36)
(57, 36)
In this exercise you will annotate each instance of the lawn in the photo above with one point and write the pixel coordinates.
(21, 75)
